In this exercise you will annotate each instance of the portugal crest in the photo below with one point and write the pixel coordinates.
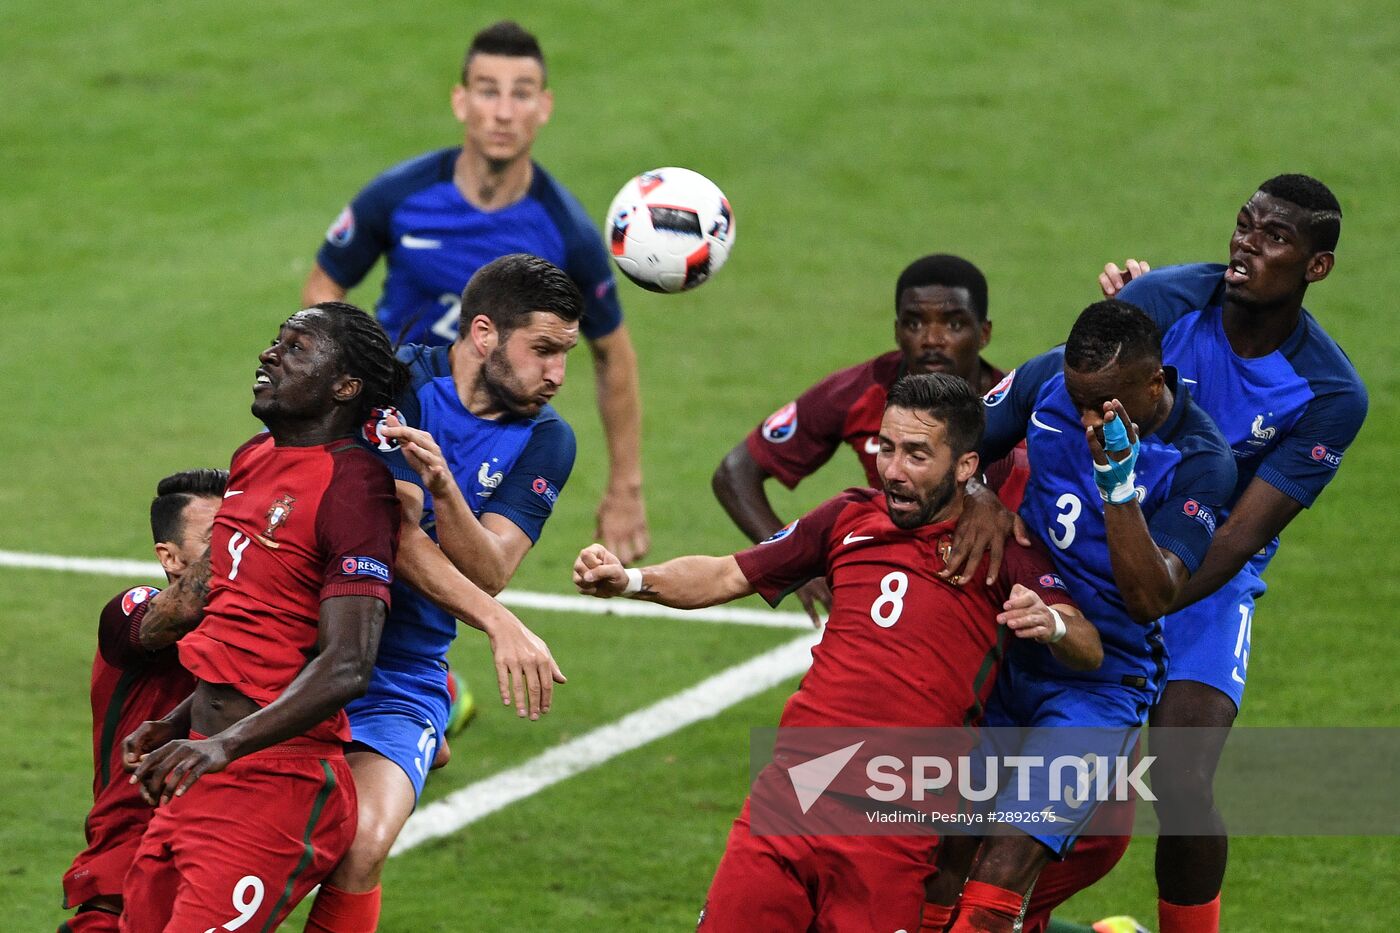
(277, 515)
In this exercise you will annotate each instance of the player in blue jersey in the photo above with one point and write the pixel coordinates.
(478, 467)
(1290, 403)
(438, 218)
(1127, 474)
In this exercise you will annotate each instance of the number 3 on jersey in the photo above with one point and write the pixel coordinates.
(1070, 509)
(889, 605)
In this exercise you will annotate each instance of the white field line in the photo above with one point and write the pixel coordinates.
(516, 599)
(463, 807)
(707, 699)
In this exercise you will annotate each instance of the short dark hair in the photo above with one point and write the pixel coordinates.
(949, 399)
(506, 38)
(508, 290)
(1112, 330)
(1324, 211)
(366, 354)
(950, 272)
(177, 491)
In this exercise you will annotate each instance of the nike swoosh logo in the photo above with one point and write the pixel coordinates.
(853, 538)
(1190, 381)
(1041, 424)
(872, 445)
(233, 492)
(409, 241)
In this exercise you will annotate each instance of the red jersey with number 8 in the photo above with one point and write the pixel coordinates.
(298, 525)
(902, 647)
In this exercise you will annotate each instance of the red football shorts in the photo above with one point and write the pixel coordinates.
(242, 847)
(819, 883)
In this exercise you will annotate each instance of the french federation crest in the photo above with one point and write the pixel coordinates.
(277, 515)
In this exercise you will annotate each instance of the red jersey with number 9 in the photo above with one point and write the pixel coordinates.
(902, 647)
(298, 525)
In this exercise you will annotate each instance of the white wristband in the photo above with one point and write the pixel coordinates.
(634, 583)
(1060, 627)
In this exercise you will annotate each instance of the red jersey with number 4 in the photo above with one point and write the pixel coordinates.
(902, 647)
(129, 686)
(298, 525)
(846, 408)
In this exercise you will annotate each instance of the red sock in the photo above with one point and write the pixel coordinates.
(935, 919)
(986, 908)
(337, 911)
(1193, 918)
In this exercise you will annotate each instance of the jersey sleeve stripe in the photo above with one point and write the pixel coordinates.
(111, 719)
(1179, 548)
(1285, 485)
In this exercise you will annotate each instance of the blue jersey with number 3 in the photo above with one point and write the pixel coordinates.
(1184, 475)
(433, 240)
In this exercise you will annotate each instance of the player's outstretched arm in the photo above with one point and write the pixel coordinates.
(1261, 513)
(738, 485)
(525, 669)
(487, 556)
(1073, 639)
(683, 583)
(1149, 578)
(178, 608)
(320, 287)
(622, 517)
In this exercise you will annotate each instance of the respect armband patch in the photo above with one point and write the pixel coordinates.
(365, 567)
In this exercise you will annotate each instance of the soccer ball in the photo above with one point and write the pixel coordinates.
(670, 229)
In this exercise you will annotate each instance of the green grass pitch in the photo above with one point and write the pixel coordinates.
(168, 171)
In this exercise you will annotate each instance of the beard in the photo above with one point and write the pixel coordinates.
(505, 387)
(929, 507)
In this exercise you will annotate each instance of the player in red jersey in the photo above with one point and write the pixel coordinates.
(902, 648)
(256, 802)
(941, 326)
(135, 676)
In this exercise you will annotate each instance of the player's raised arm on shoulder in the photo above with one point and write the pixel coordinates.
(178, 608)
(683, 583)
(1112, 279)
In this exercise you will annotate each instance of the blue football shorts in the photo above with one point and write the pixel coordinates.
(1208, 641)
(1032, 715)
(403, 714)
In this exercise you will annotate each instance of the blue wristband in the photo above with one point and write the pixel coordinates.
(1116, 480)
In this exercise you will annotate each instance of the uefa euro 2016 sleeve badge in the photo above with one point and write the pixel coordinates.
(277, 515)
